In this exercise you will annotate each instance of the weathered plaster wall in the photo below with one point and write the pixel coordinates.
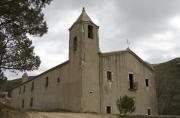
(90, 71)
(84, 65)
(121, 65)
(55, 96)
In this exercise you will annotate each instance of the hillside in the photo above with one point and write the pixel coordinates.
(9, 84)
(167, 76)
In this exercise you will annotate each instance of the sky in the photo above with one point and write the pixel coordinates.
(151, 26)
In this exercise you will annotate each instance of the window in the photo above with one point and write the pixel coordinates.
(149, 111)
(2, 96)
(75, 43)
(58, 80)
(32, 86)
(19, 90)
(24, 89)
(147, 82)
(90, 31)
(109, 75)
(23, 103)
(131, 81)
(47, 82)
(108, 109)
(31, 102)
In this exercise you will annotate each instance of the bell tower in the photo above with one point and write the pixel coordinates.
(84, 61)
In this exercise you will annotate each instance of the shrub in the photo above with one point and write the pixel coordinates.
(125, 104)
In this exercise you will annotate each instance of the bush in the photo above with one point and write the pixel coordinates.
(125, 104)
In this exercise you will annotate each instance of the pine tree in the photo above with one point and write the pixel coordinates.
(19, 18)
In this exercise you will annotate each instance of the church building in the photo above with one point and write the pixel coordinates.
(90, 81)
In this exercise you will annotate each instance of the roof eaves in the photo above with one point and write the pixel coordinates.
(113, 53)
(66, 62)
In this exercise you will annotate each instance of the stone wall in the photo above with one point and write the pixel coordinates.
(121, 64)
(58, 94)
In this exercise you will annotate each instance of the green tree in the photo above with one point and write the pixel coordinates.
(125, 104)
(18, 19)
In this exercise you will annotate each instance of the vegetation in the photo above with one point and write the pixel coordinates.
(18, 19)
(10, 112)
(167, 76)
(5, 107)
(9, 84)
(126, 104)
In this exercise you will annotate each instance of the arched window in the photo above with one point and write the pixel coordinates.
(147, 82)
(47, 82)
(32, 86)
(109, 75)
(75, 43)
(31, 102)
(19, 90)
(131, 81)
(90, 31)
(22, 103)
(24, 89)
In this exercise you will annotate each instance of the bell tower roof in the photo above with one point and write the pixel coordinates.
(84, 16)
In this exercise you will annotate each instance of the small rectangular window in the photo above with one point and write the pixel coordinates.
(31, 102)
(131, 81)
(23, 103)
(90, 31)
(24, 89)
(75, 43)
(147, 82)
(32, 86)
(19, 90)
(58, 80)
(47, 82)
(109, 75)
(108, 109)
(149, 111)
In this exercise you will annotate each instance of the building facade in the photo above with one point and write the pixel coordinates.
(90, 81)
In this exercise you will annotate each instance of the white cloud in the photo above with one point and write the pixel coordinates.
(152, 27)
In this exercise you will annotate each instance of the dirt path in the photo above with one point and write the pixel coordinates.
(59, 115)
(73, 115)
